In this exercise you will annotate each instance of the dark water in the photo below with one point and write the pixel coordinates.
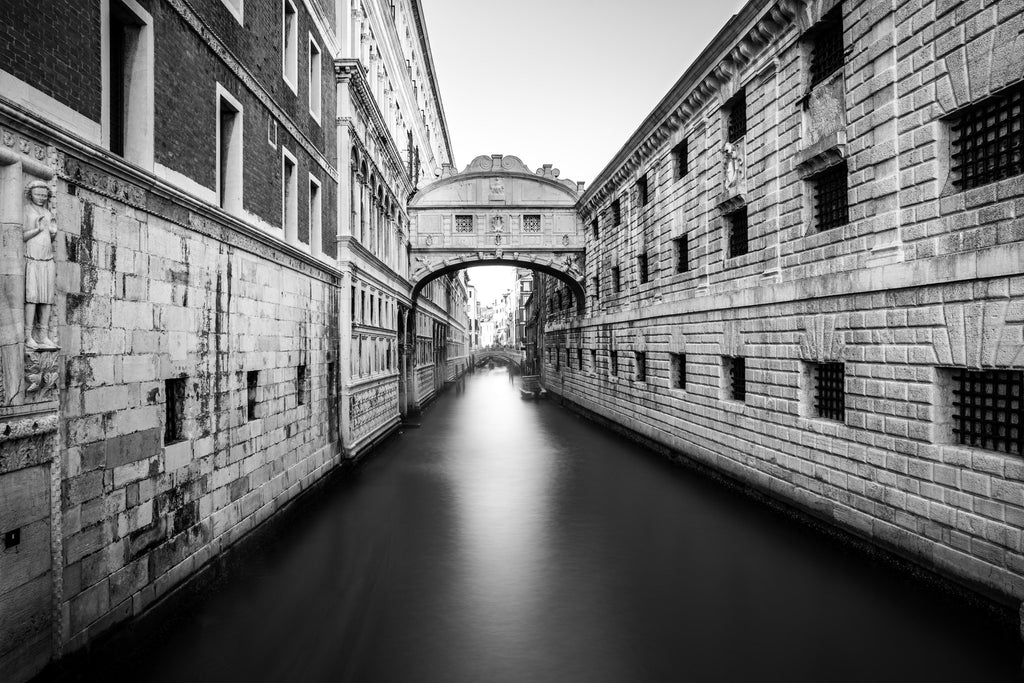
(508, 542)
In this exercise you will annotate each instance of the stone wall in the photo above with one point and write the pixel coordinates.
(923, 278)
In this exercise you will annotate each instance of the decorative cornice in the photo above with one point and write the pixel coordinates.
(736, 46)
(249, 81)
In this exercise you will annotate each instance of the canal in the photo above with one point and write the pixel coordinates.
(507, 541)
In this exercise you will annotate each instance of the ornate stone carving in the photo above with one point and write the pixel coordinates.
(372, 407)
(497, 223)
(732, 162)
(39, 232)
(41, 372)
(821, 341)
(497, 189)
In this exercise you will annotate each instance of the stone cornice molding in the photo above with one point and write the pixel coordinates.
(213, 41)
(350, 72)
(735, 47)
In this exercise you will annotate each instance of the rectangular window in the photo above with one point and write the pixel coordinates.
(315, 69)
(558, 360)
(300, 385)
(831, 202)
(737, 117)
(736, 375)
(737, 224)
(642, 194)
(174, 414)
(641, 366)
(229, 152)
(827, 45)
(463, 224)
(616, 212)
(681, 253)
(531, 223)
(597, 286)
(641, 267)
(128, 80)
(353, 303)
(616, 280)
(251, 385)
(988, 409)
(593, 226)
(829, 390)
(613, 363)
(988, 140)
(290, 44)
(289, 197)
(680, 160)
(316, 237)
(593, 360)
(579, 357)
(678, 370)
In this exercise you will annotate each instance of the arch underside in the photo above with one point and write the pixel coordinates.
(566, 266)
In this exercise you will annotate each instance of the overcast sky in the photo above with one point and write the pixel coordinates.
(562, 82)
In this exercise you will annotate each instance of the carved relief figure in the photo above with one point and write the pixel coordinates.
(497, 190)
(40, 231)
(731, 159)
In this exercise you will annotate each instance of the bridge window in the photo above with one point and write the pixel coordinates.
(987, 408)
(251, 385)
(736, 117)
(642, 190)
(531, 223)
(174, 412)
(463, 224)
(681, 253)
(680, 160)
(678, 370)
(737, 224)
(641, 266)
(988, 140)
(831, 203)
(641, 366)
(828, 389)
(736, 376)
(300, 385)
(616, 280)
(827, 45)
(613, 363)
(616, 212)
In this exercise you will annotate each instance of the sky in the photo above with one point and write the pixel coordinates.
(564, 82)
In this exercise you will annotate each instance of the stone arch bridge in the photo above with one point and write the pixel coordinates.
(498, 212)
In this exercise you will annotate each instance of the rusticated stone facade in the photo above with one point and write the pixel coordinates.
(719, 292)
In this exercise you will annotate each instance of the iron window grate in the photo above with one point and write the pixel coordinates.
(827, 51)
(616, 212)
(613, 363)
(682, 253)
(831, 198)
(988, 140)
(678, 370)
(738, 376)
(641, 366)
(531, 223)
(738, 244)
(830, 390)
(642, 190)
(988, 409)
(737, 126)
(463, 224)
(680, 156)
(579, 357)
(641, 265)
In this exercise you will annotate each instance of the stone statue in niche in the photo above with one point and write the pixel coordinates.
(731, 160)
(39, 233)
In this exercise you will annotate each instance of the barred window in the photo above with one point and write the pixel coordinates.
(613, 363)
(680, 160)
(579, 357)
(252, 380)
(988, 409)
(641, 191)
(597, 287)
(737, 224)
(681, 248)
(988, 140)
(641, 366)
(616, 280)
(737, 121)
(827, 45)
(593, 226)
(736, 373)
(463, 224)
(829, 380)
(678, 371)
(531, 223)
(174, 423)
(616, 212)
(641, 266)
(300, 384)
(831, 202)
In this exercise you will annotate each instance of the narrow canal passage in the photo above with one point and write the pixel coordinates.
(508, 542)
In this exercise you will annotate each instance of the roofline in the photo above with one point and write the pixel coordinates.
(421, 25)
(701, 66)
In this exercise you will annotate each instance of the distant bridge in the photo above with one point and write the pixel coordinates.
(503, 356)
